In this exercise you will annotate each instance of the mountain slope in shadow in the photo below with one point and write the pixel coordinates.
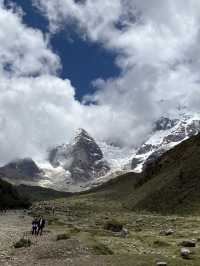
(169, 185)
(10, 198)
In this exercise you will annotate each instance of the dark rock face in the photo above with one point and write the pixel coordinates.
(135, 162)
(145, 148)
(83, 158)
(193, 128)
(174, 138)
(24, 169)
(168, 133)
(165, 123)
(183, 131)
(153, 157)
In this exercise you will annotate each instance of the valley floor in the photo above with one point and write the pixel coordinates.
(81, 222)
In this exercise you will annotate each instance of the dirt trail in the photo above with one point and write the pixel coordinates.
(45, 250)
(13, 225)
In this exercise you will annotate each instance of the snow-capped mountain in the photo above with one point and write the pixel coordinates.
(168, 132)
(74, 166)
(70, 167)
(84, 162)
(83, 158)
(119, 158)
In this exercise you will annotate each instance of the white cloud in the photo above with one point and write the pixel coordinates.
(157, 43)
(24, 51)
(36, 107)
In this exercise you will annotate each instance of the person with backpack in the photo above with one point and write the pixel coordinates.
(41, 225)
(34, 226)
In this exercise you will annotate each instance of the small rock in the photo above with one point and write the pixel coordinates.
(124, 232)
(161, 263)
(167, 232)
(185, 253)
(188, 243)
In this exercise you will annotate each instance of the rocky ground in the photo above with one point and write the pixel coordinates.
(84, 240)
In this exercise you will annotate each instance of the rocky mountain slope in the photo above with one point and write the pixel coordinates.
(69, 167)
(84, 163)
(83, 158)
(171, 184)
(168, 132)
(22, 170)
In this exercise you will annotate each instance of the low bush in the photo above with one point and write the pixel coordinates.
(64, 236)
(113, 226)
(101, 249)
(160, 243)
(23, 243)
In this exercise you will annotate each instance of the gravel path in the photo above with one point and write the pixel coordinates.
(13, 225)
(45, 250)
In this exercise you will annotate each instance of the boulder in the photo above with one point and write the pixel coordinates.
(185, 253)
(188, 243)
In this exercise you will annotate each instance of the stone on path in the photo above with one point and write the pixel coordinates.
(185, 253)
(188, 243)
(167, 232)
(161, 263)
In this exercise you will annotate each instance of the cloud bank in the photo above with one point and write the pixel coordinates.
(157, 45)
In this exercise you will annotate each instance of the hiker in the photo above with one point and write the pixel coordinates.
(53, 210)
(34, 226)
(41, 225)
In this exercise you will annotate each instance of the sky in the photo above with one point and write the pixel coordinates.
(86, 61)
(110, 67)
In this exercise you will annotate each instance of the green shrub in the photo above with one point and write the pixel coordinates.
(64, 236)
(101, 249)
(75, 230)
(23, 243)
(113, 226)
(160, 243)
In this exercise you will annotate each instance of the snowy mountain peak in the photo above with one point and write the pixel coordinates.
(82, 158)
(80, 136)
(165, 123)
(168, 132)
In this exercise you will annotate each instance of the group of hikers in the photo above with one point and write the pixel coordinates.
(3, 210)
(38, 226)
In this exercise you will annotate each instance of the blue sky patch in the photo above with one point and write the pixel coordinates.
(82, 61)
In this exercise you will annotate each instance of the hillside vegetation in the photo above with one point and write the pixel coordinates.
(138, 204)
(169, 185)
(36, 193)
(10, 198)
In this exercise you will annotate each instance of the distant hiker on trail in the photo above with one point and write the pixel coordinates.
(34, 226)
(41, 225)
(53, 210)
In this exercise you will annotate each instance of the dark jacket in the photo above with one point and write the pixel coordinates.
(41, 223)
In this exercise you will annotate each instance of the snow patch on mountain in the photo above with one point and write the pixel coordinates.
(118, 158)
(168, 133)
(84, 162)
